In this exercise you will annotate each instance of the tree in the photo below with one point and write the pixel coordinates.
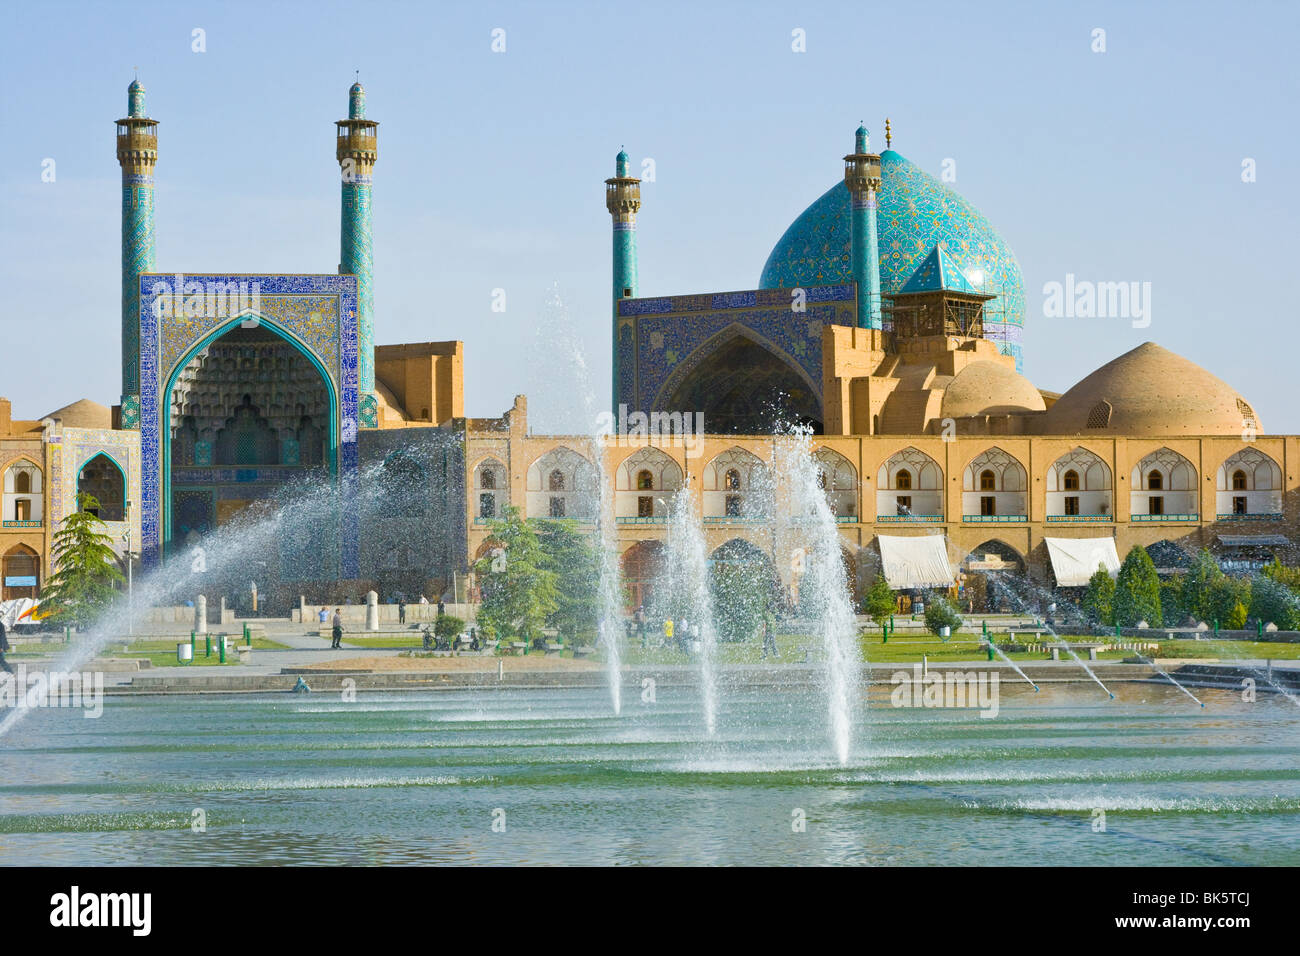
(569, 555)
(518, 590)
(86, 573)
(1137, 590)
(879, 601)
(1173, 606)
(1099, 598)
(1279, 572)
(1228, 601)
(940, 613)
(742, 597)
(1199, 584)
(1271, 600)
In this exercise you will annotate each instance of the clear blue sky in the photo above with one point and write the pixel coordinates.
(1115, 166)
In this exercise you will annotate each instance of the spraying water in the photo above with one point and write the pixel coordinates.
(688, 578)
(806, 529)
(559, 333)
(1051, 630)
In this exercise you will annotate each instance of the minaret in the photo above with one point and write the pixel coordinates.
(137, 152)
(622, 199)
(862, 176)
(357, 149)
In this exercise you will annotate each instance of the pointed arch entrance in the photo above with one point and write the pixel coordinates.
(743, 385)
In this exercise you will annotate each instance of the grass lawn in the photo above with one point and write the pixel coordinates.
(1230, 650)
(908, 649)
(163, 653)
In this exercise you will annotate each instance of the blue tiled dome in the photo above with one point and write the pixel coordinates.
(916, 212)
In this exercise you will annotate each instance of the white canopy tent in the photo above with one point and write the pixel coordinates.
(915, 562)
(11, 612)
(1075, 560)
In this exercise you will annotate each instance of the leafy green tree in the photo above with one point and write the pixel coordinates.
(1272, 601)
(1173, 607)
(1279, 572)
(1199, 584)
(879, 601)
(571, 557)
(1137, 590)
(86, 574)
(1224, 597)
(518, 589)
(940, 613)
(1099, 598)
(742, 596)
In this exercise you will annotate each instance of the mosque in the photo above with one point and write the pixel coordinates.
(888, 319)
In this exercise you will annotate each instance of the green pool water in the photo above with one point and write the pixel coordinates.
(419, 778)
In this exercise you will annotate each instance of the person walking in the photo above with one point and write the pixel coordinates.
(442, 607)
(338, 628)
(423, 599)
(401, 611)
(769, 636)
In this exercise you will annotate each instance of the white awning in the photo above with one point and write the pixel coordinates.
(1076, 560)
(915, 562)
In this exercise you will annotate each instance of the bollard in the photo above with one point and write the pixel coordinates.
(221, 647)
(67, 635)
(246, 633)
(990, 648)
(884, 633)
(1117, 633)
(192, 646)
(1259, 628)
(207, 645)
(1216, 627)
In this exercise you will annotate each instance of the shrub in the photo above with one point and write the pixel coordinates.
(1099, 599)
(1271, 600)
(940, 613)
(448, 626)
(1137, 590)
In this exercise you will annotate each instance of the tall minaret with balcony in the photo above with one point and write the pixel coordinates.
(862, 176)
(622, 199)
(356, 150)
(137, 153)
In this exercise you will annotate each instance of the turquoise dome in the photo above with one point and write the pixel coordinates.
(916, 213)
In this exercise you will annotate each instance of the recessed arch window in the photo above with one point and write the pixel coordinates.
(556, 480)
(1238, 480)
(988, 481)
(1155, 481)
(903, 479)
(1071, 480)
(645, 480)
(101, 477)
(732, 480)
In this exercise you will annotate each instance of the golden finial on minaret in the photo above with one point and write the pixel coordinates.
(889, 139)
